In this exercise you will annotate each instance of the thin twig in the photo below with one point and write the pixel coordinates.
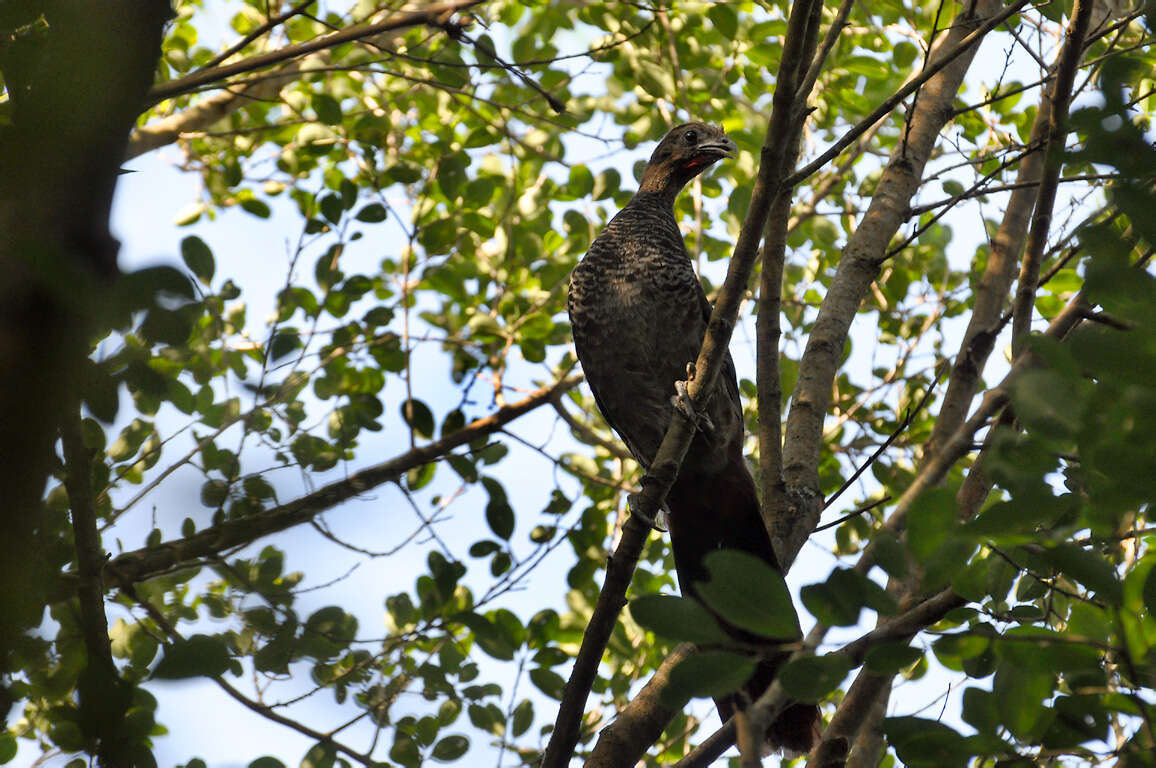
(255, 706)
(895, 433)
(151, 561)
(431, 14)
(897, 98)
(850, 515)
(273, 21)
(1058, 103)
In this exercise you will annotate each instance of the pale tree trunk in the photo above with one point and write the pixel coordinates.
(863, 708)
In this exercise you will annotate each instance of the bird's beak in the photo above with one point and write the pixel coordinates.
(719, 148)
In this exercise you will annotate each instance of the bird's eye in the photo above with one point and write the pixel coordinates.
(690, 137)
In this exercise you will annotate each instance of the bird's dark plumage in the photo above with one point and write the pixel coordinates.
(639, 315)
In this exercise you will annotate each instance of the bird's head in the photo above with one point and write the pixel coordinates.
(685, 152)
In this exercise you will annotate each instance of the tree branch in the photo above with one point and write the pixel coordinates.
(775, 699)
(135, 566)
(865, 252)
(868, 747)
(964, 46)
(934, 469)
(263, 710)
(768, 333)
(269, 25)
(789, 102)
(74, 91)
(639, 723)
(435, 14)
(991, 294)
(1057, 133)
(587, 434)
(209, 111)
(103, 696)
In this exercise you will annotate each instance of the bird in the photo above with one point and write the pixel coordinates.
(638, 315)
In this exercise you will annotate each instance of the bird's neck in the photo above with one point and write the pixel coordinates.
(660, 198)
(659, 181)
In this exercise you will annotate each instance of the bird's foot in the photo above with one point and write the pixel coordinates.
(634, 504)
(681, 402)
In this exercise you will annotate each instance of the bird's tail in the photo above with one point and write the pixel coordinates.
(796, 729)
(722, 512)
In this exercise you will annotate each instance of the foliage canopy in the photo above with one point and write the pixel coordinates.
(411, 405)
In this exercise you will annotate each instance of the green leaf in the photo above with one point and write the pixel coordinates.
(724, 20)
(890, 554)
(67, 735)
(953, 187)
(490, 638)
(130, 440)
(677, 618)
(451, 173)
(813, 677)
(283, 343)
(405, 751)
(1079, 718)
(830, 606)
(707, 673)
(606, 184)
(418, 416)
(1047, 403)
(327, 108)
(1020, 694)
(845, 593)
(197, 656)
(548, 682)
(581, 181)
(499, 513)
(133, 642)
(320, 755)
(450, 748)
(7, 747)
(1150, 593)
(922, 743)
(214, 493)
(198, 258)
(404, 173)
(332, 208)
(258, 208)
(748, 593)
(1090, 569)
(955, 650)
(980, 710)
(372, 213)
(266, 762)
(889, 658)
(930, 521)
(523, 717)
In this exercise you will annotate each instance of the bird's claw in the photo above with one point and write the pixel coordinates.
(634, 504)
(681, 402)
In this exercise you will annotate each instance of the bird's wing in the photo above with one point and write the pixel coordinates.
(638, 456)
